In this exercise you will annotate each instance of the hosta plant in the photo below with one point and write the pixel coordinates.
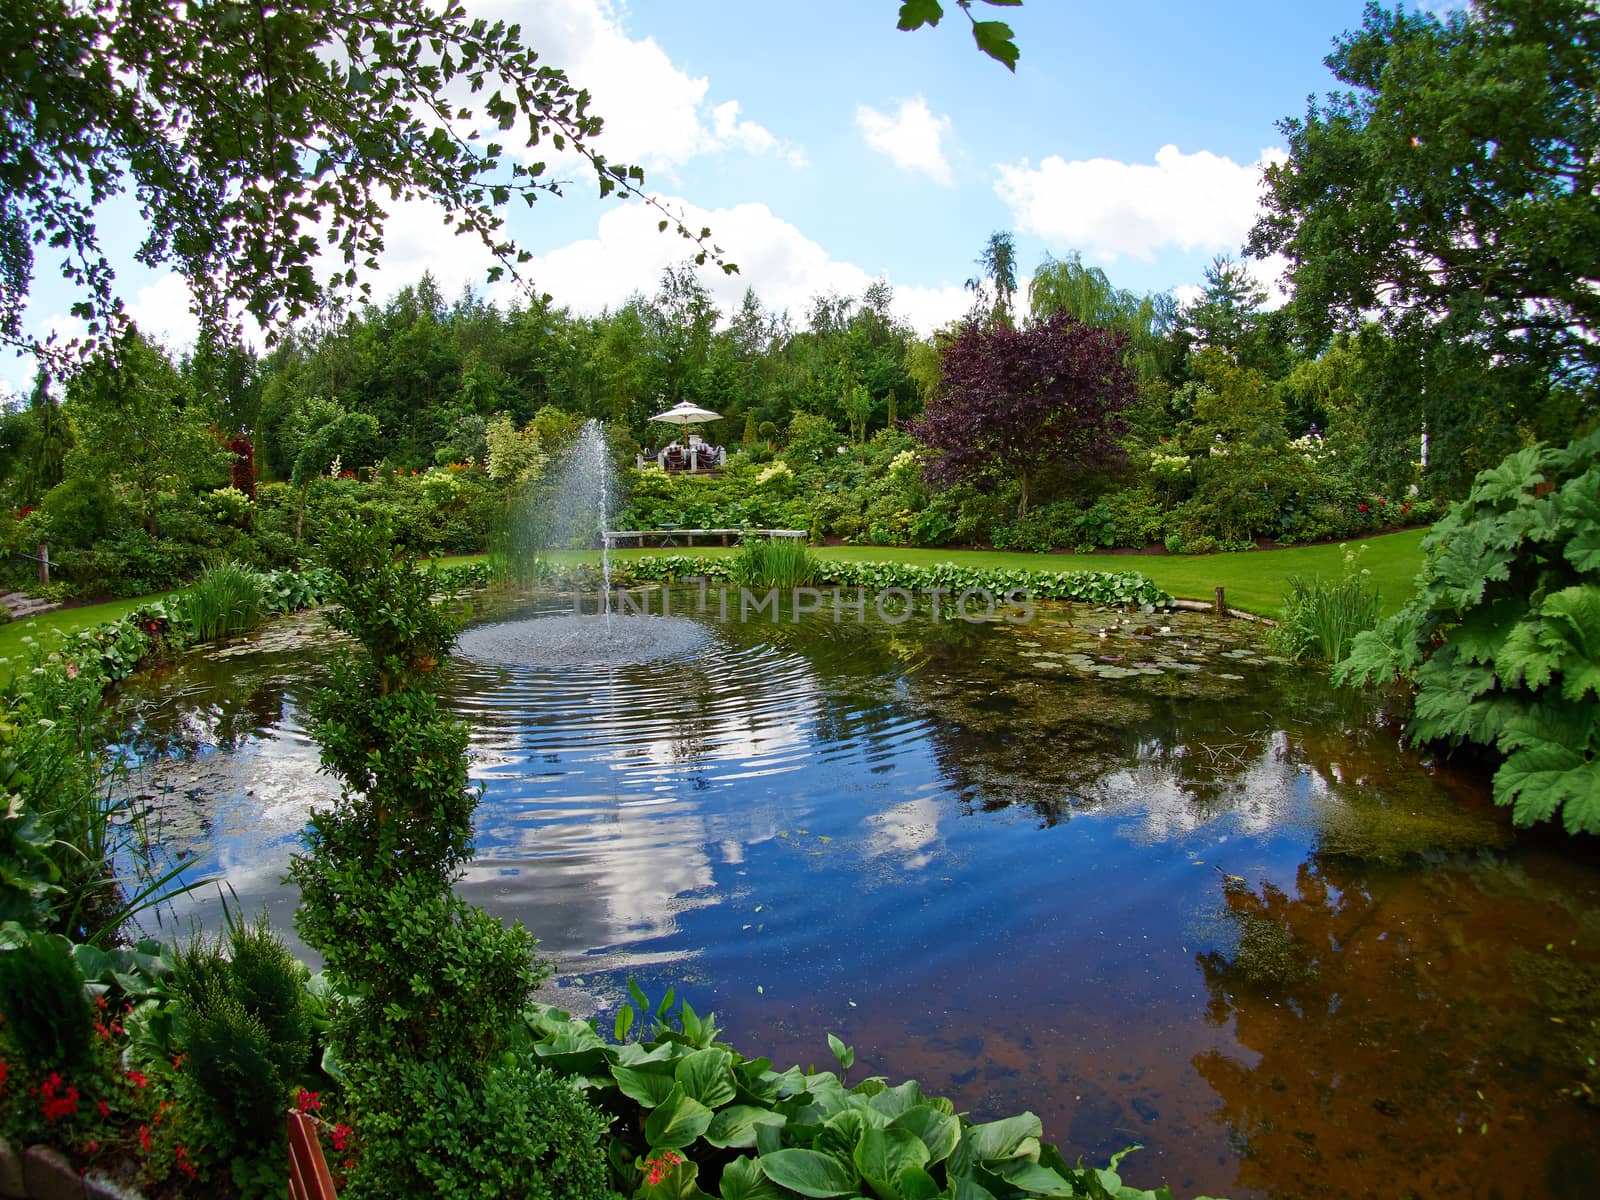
(1502, 639)
(692, 1118)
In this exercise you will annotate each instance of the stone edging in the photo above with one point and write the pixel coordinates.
(44, 1173)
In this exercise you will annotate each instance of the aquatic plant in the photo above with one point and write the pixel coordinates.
(775, 562)
(1110, 588)
(697, 1118)
(226, 601)
(1321, 617)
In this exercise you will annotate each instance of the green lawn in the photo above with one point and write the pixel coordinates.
(49, 628)
(1255, 581)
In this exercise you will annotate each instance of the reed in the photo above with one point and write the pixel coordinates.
(1322, 617)
(775, 562)
(228, 600)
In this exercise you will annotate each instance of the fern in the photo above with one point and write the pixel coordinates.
(1502, 638)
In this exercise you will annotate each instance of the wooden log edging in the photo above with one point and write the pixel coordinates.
(1207, 606)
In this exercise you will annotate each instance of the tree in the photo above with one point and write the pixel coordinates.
(1013, 401)
(133, 431)
(1452, 189)
(1086, 294)
(1227, 313)
(997, 263)
(255, 136)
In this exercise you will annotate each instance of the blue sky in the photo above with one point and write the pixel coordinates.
(826, 148)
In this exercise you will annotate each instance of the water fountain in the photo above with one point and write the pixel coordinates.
(572, 511)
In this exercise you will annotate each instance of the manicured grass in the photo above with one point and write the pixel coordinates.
(47, 629)
(1255, 581)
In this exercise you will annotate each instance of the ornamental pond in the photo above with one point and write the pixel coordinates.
(1125, 870)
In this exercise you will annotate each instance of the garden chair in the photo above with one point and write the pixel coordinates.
(309, 1178)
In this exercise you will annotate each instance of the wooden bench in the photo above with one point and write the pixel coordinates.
(666, 537)
(309, 1178)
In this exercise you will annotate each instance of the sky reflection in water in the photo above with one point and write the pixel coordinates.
(1125, 872)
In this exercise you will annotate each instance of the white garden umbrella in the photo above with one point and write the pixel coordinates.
(685, 413)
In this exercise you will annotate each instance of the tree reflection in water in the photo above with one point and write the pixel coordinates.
(1404, 1031)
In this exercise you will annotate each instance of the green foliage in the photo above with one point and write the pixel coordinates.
(426, 987)
(1092, 587)
(1458, 129)
(1502, 638)
(993, 38)
(227, 601)
(774, 562)
(694, 1117)
(521, 1130)
(47, 1015)
(245, 1032)
(1322, 617)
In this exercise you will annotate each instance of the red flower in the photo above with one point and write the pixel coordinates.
(307, 1102)
(1361, 508)
(5, 1070)
(1382, 501)
(659, 1167)
(144, 1138)
(54, 1107)
(105, 1109)
(137, 1078)
(340, 1137)
(177, 1063)
(184, 1164)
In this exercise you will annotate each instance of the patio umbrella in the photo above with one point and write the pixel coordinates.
(685, 413)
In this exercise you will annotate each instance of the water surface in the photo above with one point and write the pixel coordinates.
(1126, 871)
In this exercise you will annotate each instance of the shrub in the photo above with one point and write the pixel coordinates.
(522, 1131)
(47, 1014)
(245, 1033)
(1502, 638)
(1138, 518)
(426, 987)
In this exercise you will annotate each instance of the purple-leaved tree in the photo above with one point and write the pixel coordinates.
(1013, 401)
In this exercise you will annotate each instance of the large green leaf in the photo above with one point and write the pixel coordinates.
(1031, 1177)
(676, 1121)
(938, 1131)
(1011, 1137)
(883, 1154)
(1579, 505)
(1572, 624)
(917, 1184)
(735, 1127)
(743, 1179)
(809, 1173)
(647, 1087)
(1541, 778)
(891, 1102)
(707, 1075)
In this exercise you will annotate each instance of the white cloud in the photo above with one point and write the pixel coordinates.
(785, 267)
(913, 138)
(655, 114)
(162, 313)
(1107, 209)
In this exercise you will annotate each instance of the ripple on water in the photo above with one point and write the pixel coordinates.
(572, 639)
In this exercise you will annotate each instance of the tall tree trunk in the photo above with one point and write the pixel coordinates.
(1022, 494)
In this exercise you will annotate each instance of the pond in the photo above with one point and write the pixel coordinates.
(1125, 870)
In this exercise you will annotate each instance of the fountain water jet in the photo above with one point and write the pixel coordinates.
(574, 510)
